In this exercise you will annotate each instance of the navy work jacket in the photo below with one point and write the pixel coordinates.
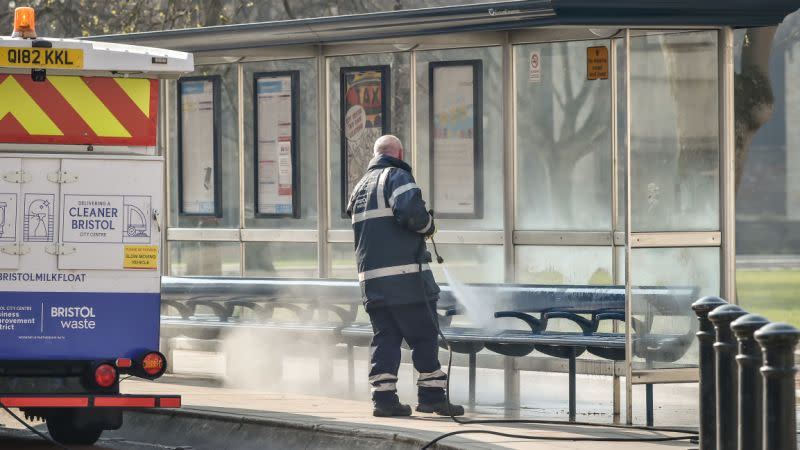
(390, 223)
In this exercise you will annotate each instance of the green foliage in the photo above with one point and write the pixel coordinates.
(775, 294)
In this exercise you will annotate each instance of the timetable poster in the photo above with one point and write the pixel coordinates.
(197, 147)
(364, 120)
(454, 139)
(274, 106)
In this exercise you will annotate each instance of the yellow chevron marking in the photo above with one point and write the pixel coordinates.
(30, 115)
(138, 90)
(89, 107)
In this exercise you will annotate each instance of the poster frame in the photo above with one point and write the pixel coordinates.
(477, 137)
(385, 119)
(294, 76)
(216, 81)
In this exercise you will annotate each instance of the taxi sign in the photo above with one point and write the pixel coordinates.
(42, 58)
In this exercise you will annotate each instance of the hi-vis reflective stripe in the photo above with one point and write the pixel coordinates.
(435, 379)
(392, 270)
(400, 191)
(78, 110)
(372, 214)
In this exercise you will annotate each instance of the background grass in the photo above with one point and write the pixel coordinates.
(774, 293)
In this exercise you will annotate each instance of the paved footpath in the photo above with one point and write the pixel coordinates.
(330, 413)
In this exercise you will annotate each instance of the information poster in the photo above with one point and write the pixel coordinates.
(275, 144)
(364, 119)
(198, 146)
(456, 138)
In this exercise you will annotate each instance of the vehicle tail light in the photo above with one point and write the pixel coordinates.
(154, 364)
(105, 375)
(124, 363)
(24, 23)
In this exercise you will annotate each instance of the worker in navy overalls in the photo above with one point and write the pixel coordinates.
(391, 223)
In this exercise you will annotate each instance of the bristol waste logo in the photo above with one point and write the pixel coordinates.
(74, 317)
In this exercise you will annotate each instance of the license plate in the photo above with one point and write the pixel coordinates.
(57, 58)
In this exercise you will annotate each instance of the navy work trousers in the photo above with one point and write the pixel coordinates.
(414, 323)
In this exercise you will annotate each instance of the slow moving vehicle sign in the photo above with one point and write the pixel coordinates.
(78, 110)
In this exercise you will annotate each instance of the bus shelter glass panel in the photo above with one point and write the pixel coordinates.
(228, 162)
(570, 265)
(280, 189)
(342, 261)
(281, 260)
(675, 131)
(459, 160)
(563, 136)
(565, 265)
(469, 263)
(665, 282)
(375, 90)
(213, 259)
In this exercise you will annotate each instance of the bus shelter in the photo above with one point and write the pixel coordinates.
(559, 141)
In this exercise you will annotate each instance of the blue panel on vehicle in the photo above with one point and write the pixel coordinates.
(77, 325)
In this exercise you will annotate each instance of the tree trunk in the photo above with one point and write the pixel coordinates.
(755, 102)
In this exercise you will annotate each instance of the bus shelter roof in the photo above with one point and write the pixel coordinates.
(488, 16)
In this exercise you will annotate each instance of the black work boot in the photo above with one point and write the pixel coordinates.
(442, 408)
(396, 409)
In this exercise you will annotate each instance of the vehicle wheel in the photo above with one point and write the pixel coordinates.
(63, 431)
(131, 231)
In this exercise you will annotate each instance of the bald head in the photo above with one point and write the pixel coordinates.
(388, 145)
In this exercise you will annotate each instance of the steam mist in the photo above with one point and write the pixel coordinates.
(316, 363)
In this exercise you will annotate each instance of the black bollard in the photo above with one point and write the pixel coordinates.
(708, 381)
(725, 352)
(750, 399)
(778, 341)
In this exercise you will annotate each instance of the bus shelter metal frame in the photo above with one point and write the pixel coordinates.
(509, 237)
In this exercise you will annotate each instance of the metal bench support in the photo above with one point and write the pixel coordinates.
(473, 363)
(511, 385)
(572, 384)
(648, 399)
(616, 396)
(351, 371)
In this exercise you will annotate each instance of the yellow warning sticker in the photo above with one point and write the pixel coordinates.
(597, 63)
(141, 257)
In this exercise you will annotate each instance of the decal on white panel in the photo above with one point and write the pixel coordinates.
(100, 219)
(38, 225)
(8, 217)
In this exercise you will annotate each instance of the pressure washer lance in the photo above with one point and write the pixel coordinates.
(439, 259)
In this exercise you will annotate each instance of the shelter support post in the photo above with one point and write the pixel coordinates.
(727, 168)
